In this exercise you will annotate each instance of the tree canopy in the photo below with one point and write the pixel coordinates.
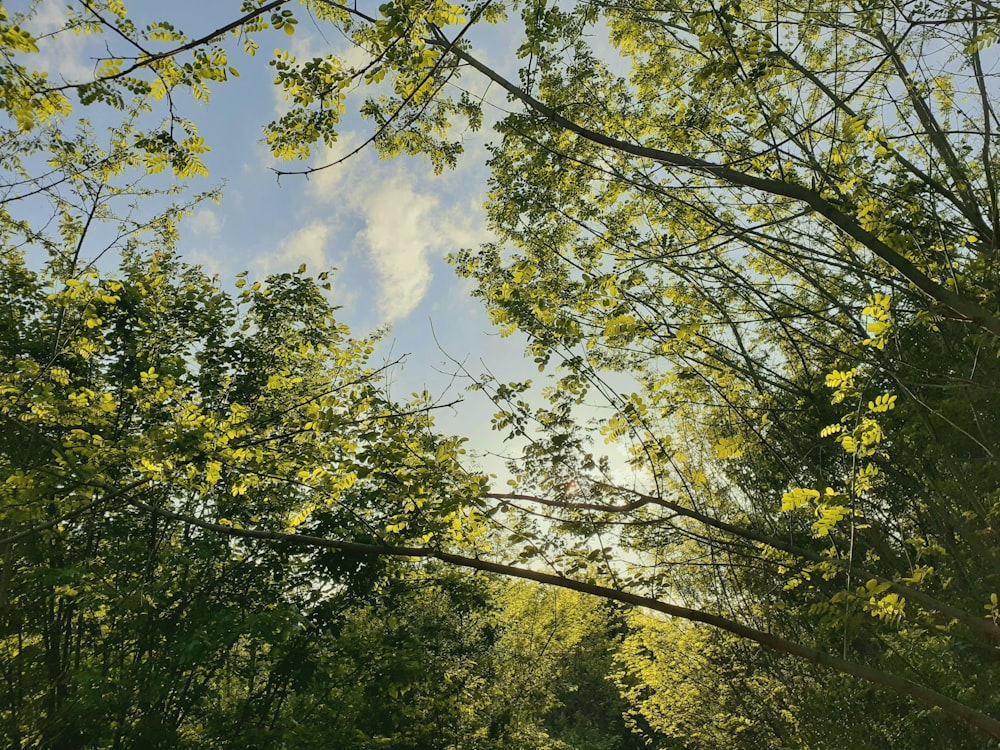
(762, 236)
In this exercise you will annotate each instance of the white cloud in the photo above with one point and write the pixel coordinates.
(211, 263)
(402, 221)
(353, 56)
(396, 215)
(465, 225)
(62, 53)
(305, 245)
(325, 186)
(205, 222)
(399, 229)
(308, 245)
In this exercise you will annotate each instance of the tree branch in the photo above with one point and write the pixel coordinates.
(145, 62)
(980, 625)
(985, 724)
(965, 308)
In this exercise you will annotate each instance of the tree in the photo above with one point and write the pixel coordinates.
(780, 223)
(135, 396)
(547, 679)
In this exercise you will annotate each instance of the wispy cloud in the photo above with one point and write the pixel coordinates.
(332, 185)
(305, 245)
(205, 223)
(311, 245)
(403, 221)
(399, 235)
(62, 53)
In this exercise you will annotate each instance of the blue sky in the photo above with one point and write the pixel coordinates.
(385, 225)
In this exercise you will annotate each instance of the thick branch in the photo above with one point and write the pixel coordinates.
(986, 724)
(145, 62)
(979, 625)
(70, 515)
(962, 306)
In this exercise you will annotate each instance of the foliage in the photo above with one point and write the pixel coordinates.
(742, 223)
(764, 235)
(686, 685)
(694, 688)
(153, 390)
(546, 684)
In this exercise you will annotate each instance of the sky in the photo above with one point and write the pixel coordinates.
(386, 226)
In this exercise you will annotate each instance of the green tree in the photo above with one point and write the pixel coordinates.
(778, 221)
(131, 397)
(751, 228)
(547, 681)
(396, 665)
